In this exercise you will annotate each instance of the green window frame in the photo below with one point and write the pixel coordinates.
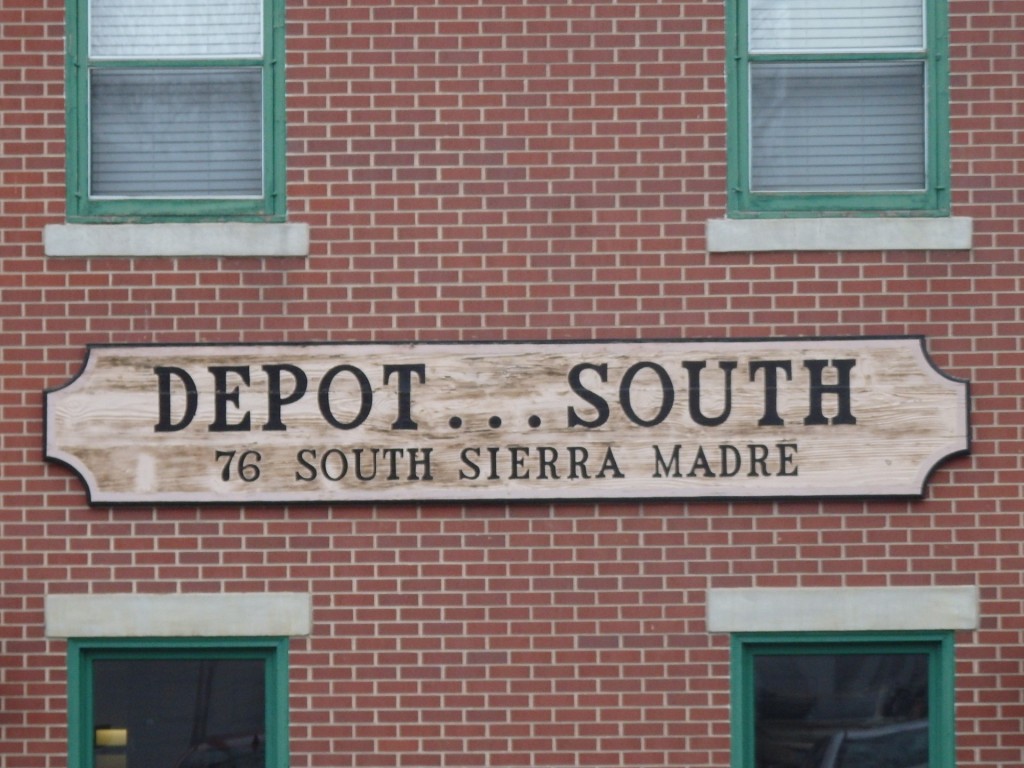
(930, 197)
(936, 646)
(262, 200)
(88, 749)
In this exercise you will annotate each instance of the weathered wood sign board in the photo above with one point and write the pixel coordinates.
(505, 421)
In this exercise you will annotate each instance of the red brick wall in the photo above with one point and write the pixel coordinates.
(515, 169)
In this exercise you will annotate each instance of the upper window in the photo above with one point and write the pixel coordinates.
(175, 109)
(838, 106)
(178, 703)
(843, 700)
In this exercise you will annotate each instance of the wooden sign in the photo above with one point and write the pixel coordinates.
(506, 421)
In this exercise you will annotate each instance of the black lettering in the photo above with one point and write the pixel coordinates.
(360, 472)
(693, 368)
(841, 390)
(700, 462)
(343, 463)
(787, 456)
(725, 453)
(517, 459)
(670, 468)
(415, 463)
(667, 394)
(365, 397)
(578, 456)
(758, 459)
(474, 468)
(393, 455)
(609, 465)
(771, 368)
(164, 376)
(404, 420)
(493, 450)
(594, 399)
(274, 399)
(303, 457)
(222, 396)
(546, 458)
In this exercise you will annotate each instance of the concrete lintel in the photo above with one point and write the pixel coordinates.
(279, 614)
(842, 610)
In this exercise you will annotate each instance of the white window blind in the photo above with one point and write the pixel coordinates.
(154, 29)
(835, 25)
(837, 126)
(176, 132)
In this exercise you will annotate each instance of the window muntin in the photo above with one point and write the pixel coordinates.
(178, 703)
(843, 700)
(838, 107)
(175, 110)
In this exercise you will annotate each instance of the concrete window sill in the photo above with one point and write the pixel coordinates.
(859, 234)
(178, 239)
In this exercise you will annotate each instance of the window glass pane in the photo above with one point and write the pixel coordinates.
(841, 710)
(153, 29)
(184, 132)
(837, 126)
(167, 713)
(836, 25)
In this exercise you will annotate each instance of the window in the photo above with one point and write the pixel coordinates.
(838, 107)
(178, 703)
(843, 700)
(175, 110)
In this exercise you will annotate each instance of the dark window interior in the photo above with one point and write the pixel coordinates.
(841, 710)
(179, 713)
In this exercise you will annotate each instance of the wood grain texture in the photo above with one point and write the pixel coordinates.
(507, 421)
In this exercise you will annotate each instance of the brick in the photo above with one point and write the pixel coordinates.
(512, 171)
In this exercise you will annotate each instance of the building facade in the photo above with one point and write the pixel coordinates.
(296, 214)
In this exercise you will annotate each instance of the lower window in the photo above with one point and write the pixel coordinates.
(188, 703)
(812, 700)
